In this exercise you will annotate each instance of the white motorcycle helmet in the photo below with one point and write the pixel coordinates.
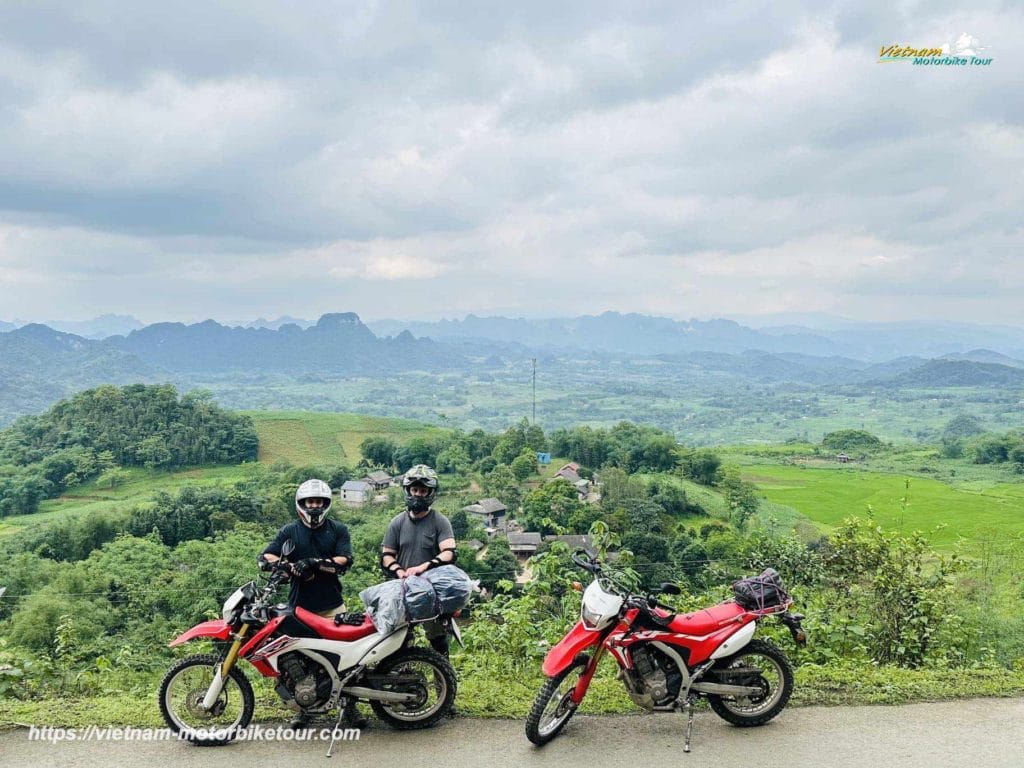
(313, 489)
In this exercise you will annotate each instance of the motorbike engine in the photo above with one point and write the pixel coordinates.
(656, 678)
(304, 680)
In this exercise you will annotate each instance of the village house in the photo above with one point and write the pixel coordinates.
(378, 480)
(569, 472)
(491, 512)
(356, 492)
(524, 545)
(574, 542)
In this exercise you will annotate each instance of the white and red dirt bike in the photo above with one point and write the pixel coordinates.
(666, 660)
(319, 664)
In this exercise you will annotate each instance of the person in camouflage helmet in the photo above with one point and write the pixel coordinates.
(419, 538)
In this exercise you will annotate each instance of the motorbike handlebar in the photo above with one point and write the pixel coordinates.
(586, 564)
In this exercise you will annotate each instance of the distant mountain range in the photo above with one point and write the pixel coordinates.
(39, 365)
(97, 328)
(641, 334)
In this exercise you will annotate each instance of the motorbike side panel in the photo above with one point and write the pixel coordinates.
(215, 628)
(367, 650)
(703, 648)
(562, 655)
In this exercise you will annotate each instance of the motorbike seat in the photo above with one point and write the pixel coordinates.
(706, 621)
(328, 630)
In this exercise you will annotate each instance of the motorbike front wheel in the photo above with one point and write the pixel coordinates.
(182, 692)
(426, 674)
(760, 664)
(553, 707)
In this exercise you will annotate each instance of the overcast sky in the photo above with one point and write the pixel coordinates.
(235, 160)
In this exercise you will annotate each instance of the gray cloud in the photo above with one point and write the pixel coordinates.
(425, 160)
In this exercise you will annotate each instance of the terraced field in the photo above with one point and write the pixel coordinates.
(303, 437)
(943, 512)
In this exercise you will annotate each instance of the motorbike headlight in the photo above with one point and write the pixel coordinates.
(232, 603)
(591, 619)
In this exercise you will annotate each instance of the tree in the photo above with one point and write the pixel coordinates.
(741, 497)
(501, 484)
(700, 465)
(851, 441)
(378, 451)
(153, 452)
(498, 564)
(524, 465)
(460, 524)
(453, 459)
(554, 502)
(963, 425)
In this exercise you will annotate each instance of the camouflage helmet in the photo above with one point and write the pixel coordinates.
(312, 489)
(422, 475)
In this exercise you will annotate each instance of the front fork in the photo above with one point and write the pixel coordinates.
(586, 676)
(213, 692)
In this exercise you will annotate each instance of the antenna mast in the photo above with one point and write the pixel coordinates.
(534, 361)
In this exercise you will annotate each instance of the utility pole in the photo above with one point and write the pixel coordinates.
(534, 361)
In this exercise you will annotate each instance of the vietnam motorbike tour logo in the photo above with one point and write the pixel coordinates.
(965, 51)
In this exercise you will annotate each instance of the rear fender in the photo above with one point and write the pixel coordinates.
(215, 629)
(562, 655)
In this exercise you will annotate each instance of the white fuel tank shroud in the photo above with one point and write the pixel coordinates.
(366, 650)
(735, 641)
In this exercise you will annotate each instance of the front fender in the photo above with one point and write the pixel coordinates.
(563, 654)
(215, 628)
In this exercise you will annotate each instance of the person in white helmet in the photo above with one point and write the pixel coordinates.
(323, 551)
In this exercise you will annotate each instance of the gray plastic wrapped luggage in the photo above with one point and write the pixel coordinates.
(438, 592)
(452, 587)
(384, 604)
(420, 598)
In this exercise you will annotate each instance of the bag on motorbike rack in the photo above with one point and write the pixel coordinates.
(452, 586)
(760, 592)
(419, 598)
(384, 604)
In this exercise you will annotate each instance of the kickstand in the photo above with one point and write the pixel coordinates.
(337, 729)
(689, 724)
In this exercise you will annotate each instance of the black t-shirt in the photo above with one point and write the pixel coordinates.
(329, 540)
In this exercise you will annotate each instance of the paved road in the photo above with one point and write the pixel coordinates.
(980, 733)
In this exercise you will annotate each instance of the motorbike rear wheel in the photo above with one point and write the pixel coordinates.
(434, 686)
(182, 692)
(553, 708)
(767, 667)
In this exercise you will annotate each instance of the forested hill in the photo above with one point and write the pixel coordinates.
(338, 344)
(958, 373)
(100, 429)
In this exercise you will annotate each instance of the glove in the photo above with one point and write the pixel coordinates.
(304, 569)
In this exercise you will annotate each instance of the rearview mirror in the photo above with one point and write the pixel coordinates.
(667, 588)
(287, 548)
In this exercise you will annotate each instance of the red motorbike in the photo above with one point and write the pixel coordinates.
(318, 665)
(667, 660)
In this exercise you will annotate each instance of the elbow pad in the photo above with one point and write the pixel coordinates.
(389, 570)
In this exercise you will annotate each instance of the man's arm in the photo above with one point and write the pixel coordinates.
(341, 560)
(272, 553)
(389, 553)
(389, 562)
